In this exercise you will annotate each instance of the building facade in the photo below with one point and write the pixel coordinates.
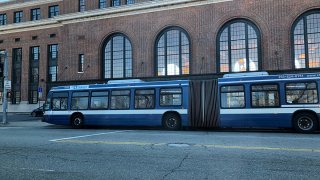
(61, 42)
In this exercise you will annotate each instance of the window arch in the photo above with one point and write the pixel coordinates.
(306, 40)
(238, 47)
(172, 51)
(117, 57)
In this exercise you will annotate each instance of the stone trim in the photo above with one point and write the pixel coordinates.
(27, 4)
(111, 12)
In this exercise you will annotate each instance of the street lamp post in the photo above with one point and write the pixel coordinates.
(5, 79)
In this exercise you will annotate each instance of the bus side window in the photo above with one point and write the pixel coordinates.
(265, 95)
(60, 101)
(302, 93)
(232, 96)
(55, 103)
(80, 100)
(171, 97)
(120, 99)
(99, 100)
(144, 99)
(64, 103)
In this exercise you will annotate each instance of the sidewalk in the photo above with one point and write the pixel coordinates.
(20, 119)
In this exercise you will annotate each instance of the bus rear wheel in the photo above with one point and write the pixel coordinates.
(305, 123)
(171, 121)
(77, 121)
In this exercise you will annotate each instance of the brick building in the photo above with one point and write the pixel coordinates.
(55, 42)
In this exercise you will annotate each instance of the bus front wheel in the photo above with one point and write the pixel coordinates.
(305, 123)
(77, 121)
(171, 121)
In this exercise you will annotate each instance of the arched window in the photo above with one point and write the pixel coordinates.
(306, 40)
(117, 57)
(238, 47)
(172, 52)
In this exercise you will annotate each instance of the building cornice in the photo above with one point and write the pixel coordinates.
(112, 12)
(27, 4)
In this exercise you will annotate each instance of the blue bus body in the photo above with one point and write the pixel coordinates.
(280, 115)
(129, 116)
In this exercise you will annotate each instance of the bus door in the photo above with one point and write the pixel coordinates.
(203, 103)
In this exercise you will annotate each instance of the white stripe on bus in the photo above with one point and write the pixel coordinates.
(266, 110)
(301, 106)
(115, 112)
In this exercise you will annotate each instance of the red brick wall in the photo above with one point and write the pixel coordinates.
(27, 10)
(274, 18)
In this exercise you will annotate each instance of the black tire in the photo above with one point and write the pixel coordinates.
(171, 121)
(77, 121)
(33, 114)
(305, 123)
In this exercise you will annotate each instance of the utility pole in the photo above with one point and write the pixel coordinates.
(5, 79)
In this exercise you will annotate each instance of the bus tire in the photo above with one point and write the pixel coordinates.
(171, 121)
(77, 121)
(305, 123)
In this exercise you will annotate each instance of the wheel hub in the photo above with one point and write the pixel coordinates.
(305, 123)
(77, 121)
(172, 122)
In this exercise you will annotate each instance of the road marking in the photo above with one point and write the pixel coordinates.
(77, 137)
(42, 170)
(111, 142)
(263, 148)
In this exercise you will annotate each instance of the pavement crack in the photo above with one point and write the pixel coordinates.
(176, 168)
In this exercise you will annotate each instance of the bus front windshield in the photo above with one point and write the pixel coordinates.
(46, 105)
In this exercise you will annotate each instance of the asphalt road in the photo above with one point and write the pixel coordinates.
(36, 150)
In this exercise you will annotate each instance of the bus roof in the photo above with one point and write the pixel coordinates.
(260, 78)
(123, 84)
(246, 74)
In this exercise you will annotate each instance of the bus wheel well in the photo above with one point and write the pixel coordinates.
(171, 120)
(305, 111)
(77, 120)
(171, 112)
(305, 121)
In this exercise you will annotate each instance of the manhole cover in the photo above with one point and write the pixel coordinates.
(178, 145)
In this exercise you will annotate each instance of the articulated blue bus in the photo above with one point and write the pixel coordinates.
(243, 100)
